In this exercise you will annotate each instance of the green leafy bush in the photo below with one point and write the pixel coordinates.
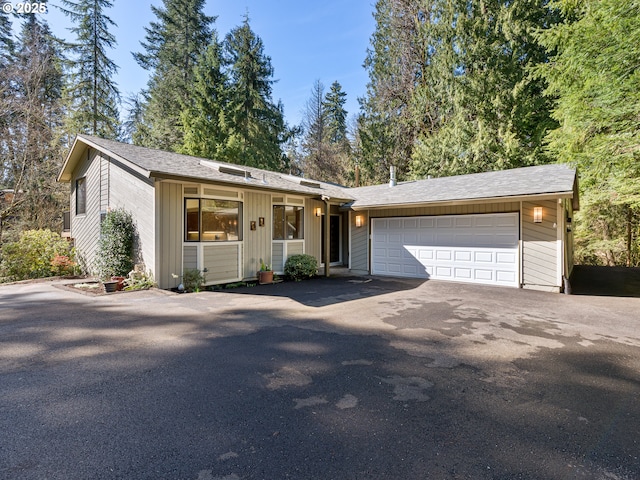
(115, 247)
(38, 254)
(300, 267)
(192, 280)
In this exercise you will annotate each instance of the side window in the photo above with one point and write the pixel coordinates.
(81, 196)
(288, 222)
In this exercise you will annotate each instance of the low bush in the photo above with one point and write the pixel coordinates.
(300, 267)
(192, 280)
(38, 254)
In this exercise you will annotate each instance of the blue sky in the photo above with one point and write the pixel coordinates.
(306, 40)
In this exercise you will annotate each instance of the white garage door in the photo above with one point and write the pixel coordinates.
(479, 248)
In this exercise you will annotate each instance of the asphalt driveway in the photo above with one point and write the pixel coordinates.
(342, 378)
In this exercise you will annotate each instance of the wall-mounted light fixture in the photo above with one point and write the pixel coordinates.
(359, 221)
(537, 214)
(317, 211)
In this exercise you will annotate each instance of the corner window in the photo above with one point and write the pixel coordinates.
(209, 220)
(81, 196)
(288, 222)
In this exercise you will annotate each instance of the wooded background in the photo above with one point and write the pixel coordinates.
(454, 87)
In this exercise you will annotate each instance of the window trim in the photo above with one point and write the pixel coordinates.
(200, 239)
(273, 231)
(81, 192)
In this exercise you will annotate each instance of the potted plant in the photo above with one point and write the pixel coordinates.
(265, 274)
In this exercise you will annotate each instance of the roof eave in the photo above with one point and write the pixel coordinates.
(75, 155)
(434, 203)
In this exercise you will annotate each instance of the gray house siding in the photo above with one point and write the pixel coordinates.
(257, 243)
(108, 187)
(359, 245)
(540, 246)
(85, 227)
(169, 237)
(135, 194)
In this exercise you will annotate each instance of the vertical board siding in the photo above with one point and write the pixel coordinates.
(359, 254)
(539, 245)
(170, 252)
(313, 229)
(222, 262)
(257, 243)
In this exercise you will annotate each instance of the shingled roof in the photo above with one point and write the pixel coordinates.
(556, 179)
(153, 163)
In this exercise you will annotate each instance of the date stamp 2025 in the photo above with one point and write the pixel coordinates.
(22, 8)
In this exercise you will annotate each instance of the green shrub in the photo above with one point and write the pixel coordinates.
(115, 247)
(38, 254)
(300, 267)
(192, 280)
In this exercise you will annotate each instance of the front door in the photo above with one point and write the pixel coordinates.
(334, 240)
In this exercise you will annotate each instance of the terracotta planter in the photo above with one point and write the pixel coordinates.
(265, 277)
(120, 281)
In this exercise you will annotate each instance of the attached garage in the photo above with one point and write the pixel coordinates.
(508, 228)
(479, 248)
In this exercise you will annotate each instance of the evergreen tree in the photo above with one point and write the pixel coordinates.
(485, 110)
(92, 94)
(29, 144)
(203, 116)
(595, 77)
(171, 49)
(254, 125)
(450, 87)
(6, 40)
(315, 146)
(386, 125)
(336, 116)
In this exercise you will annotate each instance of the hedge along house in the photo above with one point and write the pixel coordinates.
(510, 228)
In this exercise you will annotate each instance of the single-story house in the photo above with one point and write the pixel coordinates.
(510, 228)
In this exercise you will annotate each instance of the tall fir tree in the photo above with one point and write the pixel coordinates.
(91, 92)
(485, 109)
(6, 39)
(386, 126)
(450, 87)
(254, 124)
(203, 115)
(171, 48)
(29, 141)
(594, 76)
(335, 113)
(314, 144)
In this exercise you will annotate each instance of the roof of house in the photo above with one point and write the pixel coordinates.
(555, 179)
(150, 162)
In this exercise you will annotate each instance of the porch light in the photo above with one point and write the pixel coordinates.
(317, 211)
(359, 221)
(537, 214)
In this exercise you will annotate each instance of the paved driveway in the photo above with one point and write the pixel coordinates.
(343, 378)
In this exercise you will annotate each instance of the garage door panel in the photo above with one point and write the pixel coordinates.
(479, 248)
(462, 273)
(462, 256)
(483, 257)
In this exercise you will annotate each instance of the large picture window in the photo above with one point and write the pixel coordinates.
(209, 220)
(81, 196)
(288, 222)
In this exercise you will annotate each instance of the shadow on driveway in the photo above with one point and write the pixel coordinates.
(323, 291)
(605, 281)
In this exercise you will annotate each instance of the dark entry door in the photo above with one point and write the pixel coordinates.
(334, 239)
